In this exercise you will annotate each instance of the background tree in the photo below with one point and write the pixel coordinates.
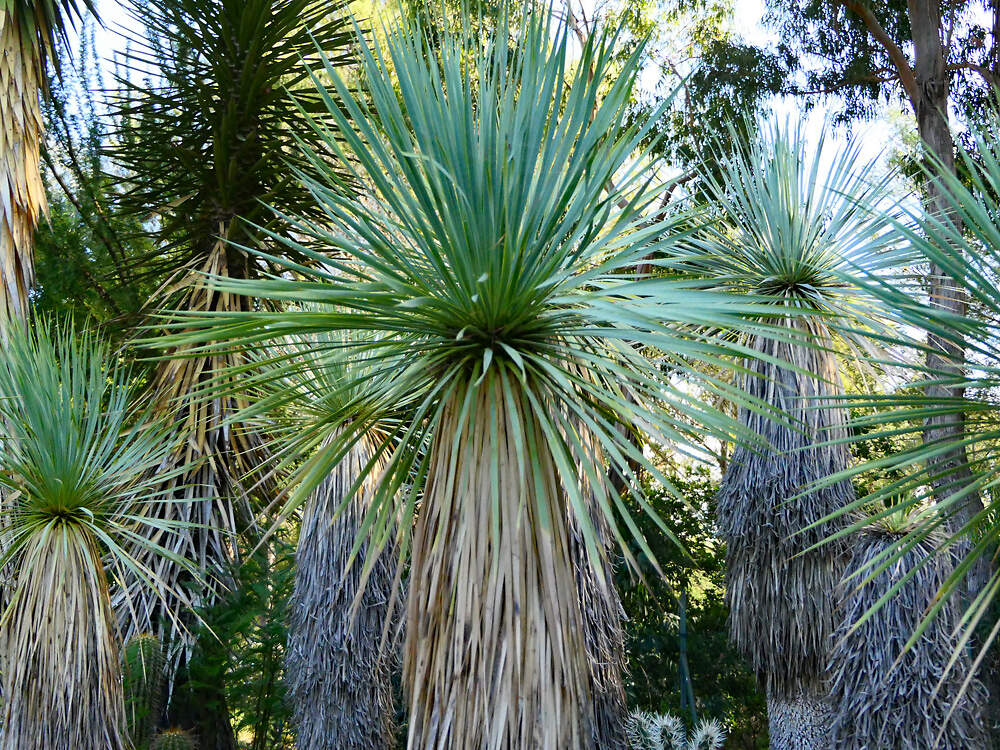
(221, 76)
(29, 33)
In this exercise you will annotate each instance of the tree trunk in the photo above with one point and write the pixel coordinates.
(931, 109)
(22, 194)
(800, 722)
(338, 673)
(495, 651)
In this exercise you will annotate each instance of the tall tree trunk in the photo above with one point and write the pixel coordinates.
(931, 109)
(930, 104)
(338, 673)
(22, 194)
(781, 596)
(495, 651)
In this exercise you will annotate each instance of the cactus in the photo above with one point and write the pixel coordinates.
(142, 672)
(647, 731)
(174, 739)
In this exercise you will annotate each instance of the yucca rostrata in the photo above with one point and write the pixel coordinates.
(75, 469)
(29, 32)
(787, 222)
(491, 268)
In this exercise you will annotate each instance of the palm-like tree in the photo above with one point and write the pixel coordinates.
(787, 228)
(964, 243)
(495, 277)
(224, 70)
(29, 32)
(75, 468)
(342, 613)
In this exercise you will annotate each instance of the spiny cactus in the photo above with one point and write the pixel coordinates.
(142, 672)
(174, 739)
(649, 731)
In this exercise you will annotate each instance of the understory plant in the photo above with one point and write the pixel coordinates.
(75, 468)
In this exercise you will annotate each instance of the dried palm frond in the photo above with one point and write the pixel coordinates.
(779, 594)
(29, 30)
(887, 695)
(75, 470)
(338, 673)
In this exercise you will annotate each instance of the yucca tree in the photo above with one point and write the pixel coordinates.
(493, 273)
(224, 70)
(343, 614)
(787, 224)
(884, 694)
(29, 33)
(75, 468)
(964, 243)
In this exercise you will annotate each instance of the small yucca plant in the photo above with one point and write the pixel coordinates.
(74, 468)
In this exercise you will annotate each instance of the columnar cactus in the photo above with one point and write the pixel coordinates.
(174, 739)
(142, 672)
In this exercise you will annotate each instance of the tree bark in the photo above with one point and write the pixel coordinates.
(801, 722)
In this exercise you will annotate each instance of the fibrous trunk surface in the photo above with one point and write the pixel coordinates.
(495, 655)
(22, 194)
(887, 697)
(62, 677)
(800, 721)
(604, 636)
(338, 673)
(780, 597)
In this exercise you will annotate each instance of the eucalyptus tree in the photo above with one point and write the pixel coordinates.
(29, 33)
(343, 614)
(209, 145)
(77, 468)
(493, 273)
(785, 229)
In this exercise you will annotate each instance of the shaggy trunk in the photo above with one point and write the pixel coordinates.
(495, 654)
(62, 681)
(780, 597)
(202, 480)
(887, 698)
(22, 194)
(604, 637)
(338, 673)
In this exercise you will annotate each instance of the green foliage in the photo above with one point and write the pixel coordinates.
(228, 89)
(174, 739)
(240, 644)
(142, 674)
(86, 254)
(722, 684)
